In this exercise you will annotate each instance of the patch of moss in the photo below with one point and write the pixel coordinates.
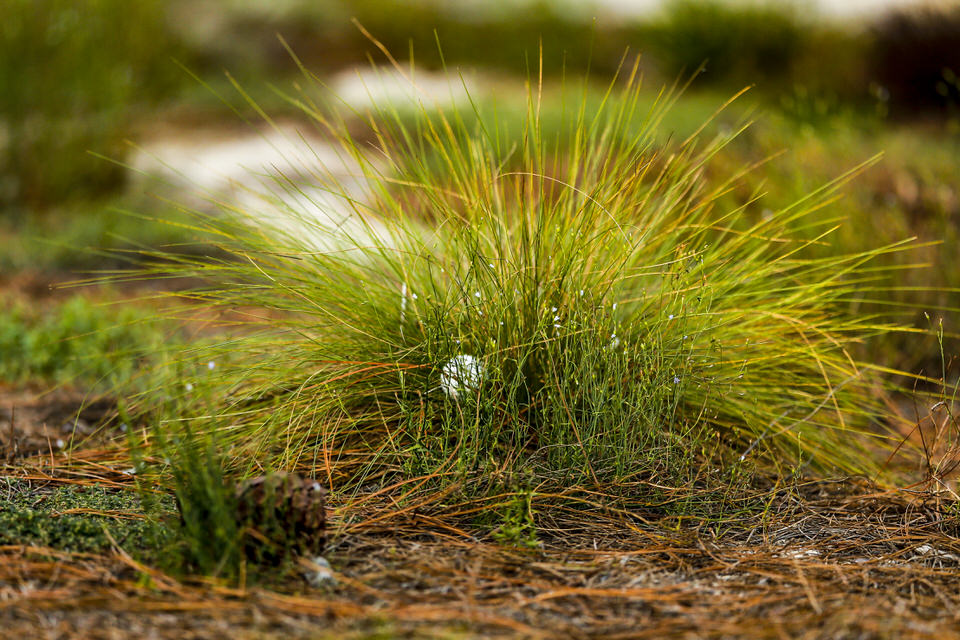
(72, 518)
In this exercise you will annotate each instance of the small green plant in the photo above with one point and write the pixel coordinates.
(221, 527)
(518, 525)
(209, 536)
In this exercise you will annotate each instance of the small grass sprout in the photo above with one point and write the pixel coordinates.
(588, 308)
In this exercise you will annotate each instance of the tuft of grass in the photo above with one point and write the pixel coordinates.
(621, 323)
(219, 530)
(209, 536)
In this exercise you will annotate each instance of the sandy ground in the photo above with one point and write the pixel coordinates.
(287, 175)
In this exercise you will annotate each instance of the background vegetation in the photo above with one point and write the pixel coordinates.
(85, 76)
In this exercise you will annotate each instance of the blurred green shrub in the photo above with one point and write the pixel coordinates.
(916, 58)
(505, 39)
(71, 74)
(742, 44)
(495, 35)
(78, 340)
(241, 35)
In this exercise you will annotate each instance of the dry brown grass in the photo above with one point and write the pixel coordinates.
(826, 559)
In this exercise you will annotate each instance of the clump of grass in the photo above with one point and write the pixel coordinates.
(620, 324)
(221, 528)
(209, 537)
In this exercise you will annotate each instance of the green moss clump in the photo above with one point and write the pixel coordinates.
(72, 518)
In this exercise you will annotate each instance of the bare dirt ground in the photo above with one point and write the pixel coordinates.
(35, 421)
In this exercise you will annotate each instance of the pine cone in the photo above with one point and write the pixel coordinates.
(281, 512)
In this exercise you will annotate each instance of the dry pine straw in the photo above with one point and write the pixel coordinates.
(829, 559)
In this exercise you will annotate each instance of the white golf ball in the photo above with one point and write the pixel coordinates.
(461, 374)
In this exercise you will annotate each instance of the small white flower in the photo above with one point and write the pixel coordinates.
(60, 443)
(670, 317)
(461, 374)
(476, 295)
(614, 306)
(211, 365)
(614, 341)
(676, 380)
(188, 386)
